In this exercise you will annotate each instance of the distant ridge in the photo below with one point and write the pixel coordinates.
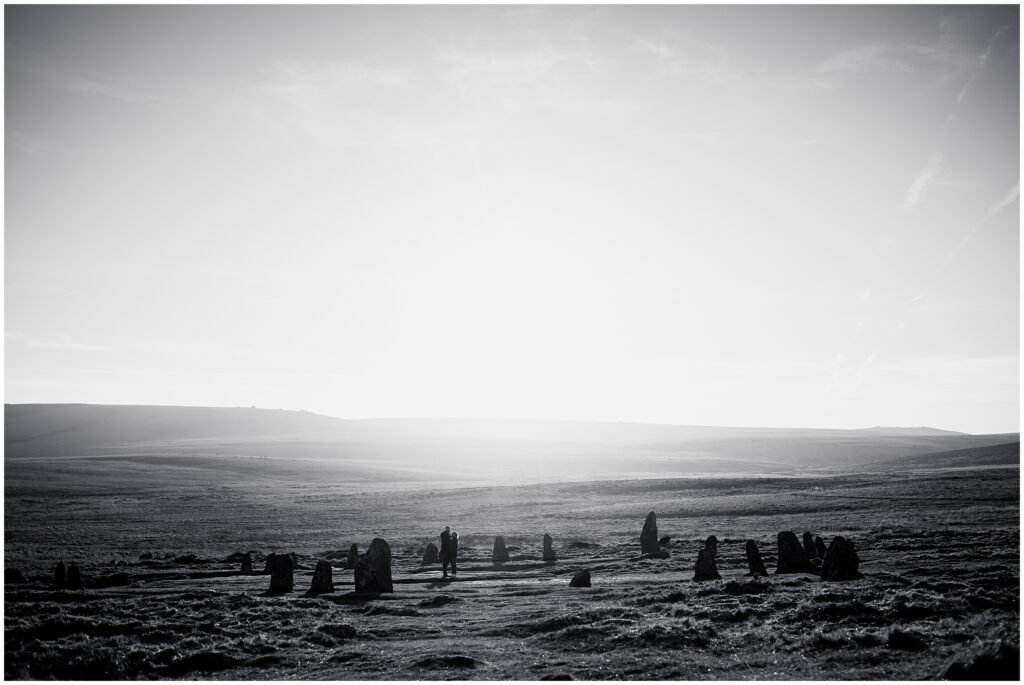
(476, 449)
(900, 430)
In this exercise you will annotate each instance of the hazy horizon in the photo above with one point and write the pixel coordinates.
(770, 216)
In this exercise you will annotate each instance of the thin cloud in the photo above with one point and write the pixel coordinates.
(1011, 196)
(869, 57)
(924, 180)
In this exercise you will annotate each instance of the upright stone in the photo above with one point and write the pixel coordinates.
(247, 564)
(754, 560)
(792, 558)
(840, 561)
(431, 555)
(322, 577)
(809, 549)
(74, 577)
(60, 578)
(549, 552)
(268, 566)
(819, 546)
(373, 570)
(353, 556)
(649, 535)
(711, 544)
(705, 568)
(500, 553)
(281, 576)
(581, 579)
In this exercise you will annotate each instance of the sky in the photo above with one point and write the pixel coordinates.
(802, 216)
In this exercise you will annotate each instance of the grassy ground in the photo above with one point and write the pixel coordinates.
(940, 554)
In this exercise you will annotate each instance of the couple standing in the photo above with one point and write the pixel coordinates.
(449, 550)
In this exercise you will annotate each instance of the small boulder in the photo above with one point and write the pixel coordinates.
(754, 560)
(581, 579)
(810, 551)
(13, 575)
(145, 556)
(549, 552)
(373, 570)
(664, 540)
(431, 555)
(353, 556)
(281, 576)
(840, 561)
(792, 558)
(247, 564)
(819, 546)
(711, 544)
(322, 580)
(649, 535)
(74, 577)
(60, 575)
(705, 568)
(500, 553)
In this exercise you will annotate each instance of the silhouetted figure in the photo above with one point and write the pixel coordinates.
(60, 576)
(373, 571)
(445, 551)
(754, 560)
(453, 552)
(549, 553)
(649, 535)
(500, 553)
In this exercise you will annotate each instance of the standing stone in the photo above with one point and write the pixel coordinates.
(819, 546)
(792, 558)
(500, 554)
(60, 575)
(809, 549)
(353, 556)
(322, 580)
(269, 564)
(705, 568)
(74, 577)
(247, 564)
(373, 570)
(549, 552)
(281, 576)
(754, 560)
(649, 535)
(581, 579)
(711, 544)
(841, 561)
(431, 555)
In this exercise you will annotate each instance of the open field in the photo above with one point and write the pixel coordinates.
(939, 551)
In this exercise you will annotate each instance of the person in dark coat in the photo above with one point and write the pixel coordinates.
(445, 551)
(453, 550)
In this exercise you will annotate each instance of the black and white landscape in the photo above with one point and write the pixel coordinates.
(157, 506)
(698, 324)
